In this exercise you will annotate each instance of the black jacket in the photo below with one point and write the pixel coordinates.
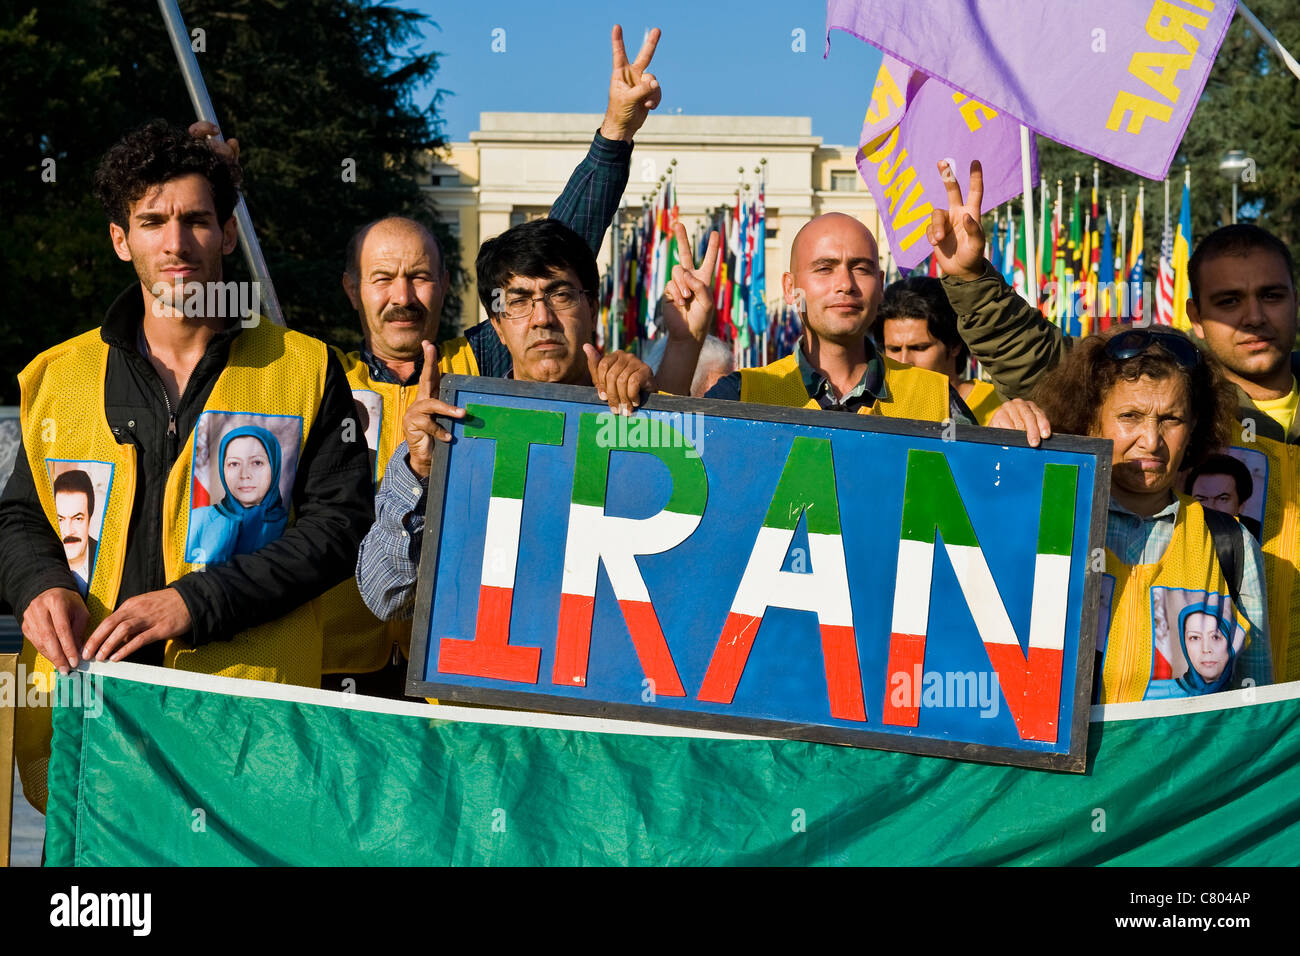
(333, 499)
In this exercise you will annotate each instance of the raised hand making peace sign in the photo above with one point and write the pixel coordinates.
(956, 234)
(633, 92)
(418, 426)
(689, 291)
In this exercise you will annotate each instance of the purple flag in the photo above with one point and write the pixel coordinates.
(913, 122)
(1117, 79)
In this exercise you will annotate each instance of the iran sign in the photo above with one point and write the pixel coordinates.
(815, 575)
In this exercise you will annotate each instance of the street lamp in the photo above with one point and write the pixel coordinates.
(1234, 165)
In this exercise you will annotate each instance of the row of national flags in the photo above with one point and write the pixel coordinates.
(1090, 269)
(1090, 263)
(647, 260)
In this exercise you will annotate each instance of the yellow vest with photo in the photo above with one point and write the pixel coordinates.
(63, 419)
(357, 642)
(1280, 544)
(915, 393)
(1189, 563)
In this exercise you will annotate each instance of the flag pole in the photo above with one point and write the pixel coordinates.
(1122, 297)
(1269, 39)
(1031, 265)
(198, 91)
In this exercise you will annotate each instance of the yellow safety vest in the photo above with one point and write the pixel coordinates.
(915, 393)
(357, 642)
(983, 401)
(1140, 605)
(1275, 466)
(62, 423)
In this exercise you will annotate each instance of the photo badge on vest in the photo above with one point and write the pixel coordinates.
(242, 483)
(1197, 640)
(1235, 481)
(370, 417)
(81, 490)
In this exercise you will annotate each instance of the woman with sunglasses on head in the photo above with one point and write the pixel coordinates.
(1165, 407)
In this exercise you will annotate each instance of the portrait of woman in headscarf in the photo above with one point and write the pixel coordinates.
(1209, 646)
(251, 513)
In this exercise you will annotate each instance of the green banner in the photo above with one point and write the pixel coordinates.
(161, 767)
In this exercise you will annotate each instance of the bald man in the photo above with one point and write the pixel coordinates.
(836, 283)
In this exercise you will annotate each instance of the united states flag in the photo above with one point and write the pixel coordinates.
(1165, 280)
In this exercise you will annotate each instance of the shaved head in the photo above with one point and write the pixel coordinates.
(835, 279)
(814, 228)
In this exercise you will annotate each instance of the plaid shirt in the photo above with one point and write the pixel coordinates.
(1137, 540)
(390, 553)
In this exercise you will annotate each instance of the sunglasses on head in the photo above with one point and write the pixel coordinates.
(1134, 342)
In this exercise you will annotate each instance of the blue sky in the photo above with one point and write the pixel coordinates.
(714, 58)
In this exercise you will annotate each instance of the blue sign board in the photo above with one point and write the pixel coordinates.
(816, 575)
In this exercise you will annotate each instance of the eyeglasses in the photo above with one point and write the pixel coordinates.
(564, 299)
(1134, 342)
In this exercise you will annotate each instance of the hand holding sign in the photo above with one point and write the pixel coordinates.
(956, 234)
(418, 425)
(620, 378)
(1023, 416)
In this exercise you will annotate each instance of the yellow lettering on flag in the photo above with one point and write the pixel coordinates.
(1140, 107)
(880, 147)
(884, 97)
(973, 112)
(1160, 71)
(908, 211)
(887, 173)
(897, 189)
(1169, 22)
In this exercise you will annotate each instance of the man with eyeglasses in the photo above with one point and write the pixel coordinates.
(1243, 307)
(538, 282)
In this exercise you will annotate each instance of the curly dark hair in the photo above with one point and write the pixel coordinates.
(157, 153)
(1073, 393)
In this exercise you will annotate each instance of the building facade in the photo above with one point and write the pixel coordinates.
(515, 165)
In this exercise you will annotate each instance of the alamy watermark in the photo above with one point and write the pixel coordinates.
(669, 430)
(221, 300)
(39, 688)
(946, 689)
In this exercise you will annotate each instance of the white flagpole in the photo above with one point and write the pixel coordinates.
(1268, 38)
(1031, 266)
(1121, 297)
(198, 91)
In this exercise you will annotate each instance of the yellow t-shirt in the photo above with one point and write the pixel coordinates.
(1282, 410)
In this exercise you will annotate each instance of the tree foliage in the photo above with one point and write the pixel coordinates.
(305, 85)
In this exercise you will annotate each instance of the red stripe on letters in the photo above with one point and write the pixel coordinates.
(490, 654)
(573, 640)
(843, 676)
(903, 679)
(839, 654)
(1032, 688)
(651, 648)
(729, 658)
